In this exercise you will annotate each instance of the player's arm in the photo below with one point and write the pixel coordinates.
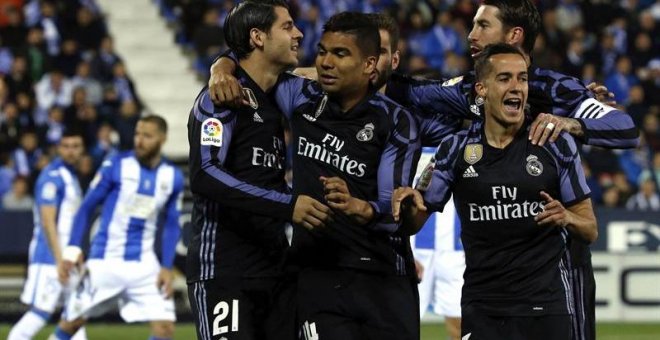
(396, 168)
(412, 207)
(46, 197)
(430, 96)
(576, 111)
(579, 218)
(573, 210)
(210, 178)
(224, 88)
(170, 236)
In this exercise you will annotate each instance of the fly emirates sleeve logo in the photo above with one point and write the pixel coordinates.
(329, 152)
(505, 206)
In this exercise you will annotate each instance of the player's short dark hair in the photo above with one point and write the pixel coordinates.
(246, 16)
(160, 122)
(482, 64)
(73, 131)
(386, 22)
(519, 13)
(359, 25)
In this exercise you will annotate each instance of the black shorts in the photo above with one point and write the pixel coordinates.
(244, 309)
(476, 325)
(356, 305)
(584, 294)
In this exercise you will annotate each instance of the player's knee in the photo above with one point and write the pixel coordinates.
(162, 329)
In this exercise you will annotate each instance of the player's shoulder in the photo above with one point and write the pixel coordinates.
(556, 81)
(308, 86)
(205, 108)
(52, 172)
(564, 149)
(451, 145)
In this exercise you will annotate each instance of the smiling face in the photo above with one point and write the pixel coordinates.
(487, 29)
(341, 66)
(505, 89)
(282, 42)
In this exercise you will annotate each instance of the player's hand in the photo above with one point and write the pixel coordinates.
(602, 94)
(419, 270)
(164, 282)
(403, 193)
(339, 197)
(554, 213)
(224, 88)
(547, 127)
(64, 268)
(310, 213)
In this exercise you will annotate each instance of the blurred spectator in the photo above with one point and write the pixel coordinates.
(53, 89)
(88, 30)
(104, 61)
(650, 77)
(592, 182)
(644, 51)
(123, 84)
(49, 23)
(626, 190)
(208, 41)
(635, 105)
(611, 197)
(26, 156)
(575, 58)
(38, 59)
(442, 39)
(651, 130)
(109, 107)
(19, 80)
(569, 15)
(310, 24)
(647, 199)
(10, 127)
(621, 80)
(7, 173)
(92, 86)
(18, 199)
(105, 144)
(6, 58)
(51, 132)
(83, 115)
(25, 105)
(125, 123)
(67, 61)
(554, 37)
(14, 33)
(86, 171)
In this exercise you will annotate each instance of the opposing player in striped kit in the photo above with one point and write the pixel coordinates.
(57, 196)
(136, 188)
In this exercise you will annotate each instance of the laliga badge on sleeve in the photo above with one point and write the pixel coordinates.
(211, 132)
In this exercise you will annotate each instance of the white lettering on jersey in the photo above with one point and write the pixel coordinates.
(141, 206)
(319, 152)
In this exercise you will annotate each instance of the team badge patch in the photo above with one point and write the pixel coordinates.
(366, 134)
(247, 93)
(452, 81)
(473, 153)
(49, 191)
(212, 132)
(534, 167)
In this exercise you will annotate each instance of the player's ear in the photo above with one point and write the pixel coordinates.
(256, 38)
(370, 64)
(515, 36)
(396, 59)
(480, 88)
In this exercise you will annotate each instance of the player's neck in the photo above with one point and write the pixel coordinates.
(347, 101)
(262, 72)
(151, 162)
(500, 135)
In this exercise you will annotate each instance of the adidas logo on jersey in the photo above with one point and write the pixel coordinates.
(257, 118)
(470, 172)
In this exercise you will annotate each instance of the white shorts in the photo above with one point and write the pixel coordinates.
(442, 281)
(42, 290)
(129, 285)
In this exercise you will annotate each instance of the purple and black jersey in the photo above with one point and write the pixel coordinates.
(241, 200)
(513, 265)
(374, 147)
(549, 92)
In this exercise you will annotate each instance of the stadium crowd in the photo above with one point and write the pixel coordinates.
(58, 68)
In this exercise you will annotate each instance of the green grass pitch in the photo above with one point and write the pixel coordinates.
(186, 331)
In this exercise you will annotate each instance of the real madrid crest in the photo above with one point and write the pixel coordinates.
(366, 134)
(247, 93)
(473, 153)
(534, 167)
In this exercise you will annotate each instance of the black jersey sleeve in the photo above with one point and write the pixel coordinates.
(210, 135)
(572, 181)
(437, 190)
